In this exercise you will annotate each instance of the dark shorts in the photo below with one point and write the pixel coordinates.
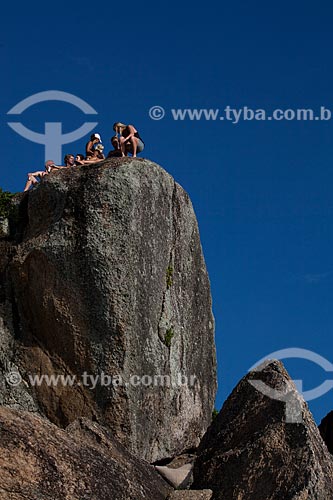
(140, 147)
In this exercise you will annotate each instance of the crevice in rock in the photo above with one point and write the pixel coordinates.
(19, 218)
(165, 326)
(17, 330)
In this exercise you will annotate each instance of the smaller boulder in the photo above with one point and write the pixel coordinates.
(264, 444)
(178, 478)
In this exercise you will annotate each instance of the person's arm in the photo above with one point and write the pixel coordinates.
(132, 131)
(85, 162)
(39, 173)
(89, 148)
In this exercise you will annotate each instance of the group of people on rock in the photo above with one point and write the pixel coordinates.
(125, 141)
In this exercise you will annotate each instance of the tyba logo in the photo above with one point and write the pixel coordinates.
(53, 139)
(289, 394)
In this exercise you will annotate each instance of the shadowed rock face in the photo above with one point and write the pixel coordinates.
(39, 461)
(326, 431)
(251, 453)
(109, 280)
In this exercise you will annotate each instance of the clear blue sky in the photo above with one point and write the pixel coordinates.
(262, 191)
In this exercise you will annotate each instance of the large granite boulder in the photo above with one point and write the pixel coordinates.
(39, 461)
(264, 444)
(106, 284)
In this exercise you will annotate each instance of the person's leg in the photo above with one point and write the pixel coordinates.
(27, 186)
(134, 142)
(31, 180)
(123, 146)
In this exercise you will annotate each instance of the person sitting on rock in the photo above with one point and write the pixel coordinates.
(116, 153)
(99, 155)
(129, 138)
(35, 177)
(94, 140)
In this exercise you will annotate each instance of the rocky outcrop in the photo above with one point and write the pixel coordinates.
(106, 284)
(107, 356)
(260, 448)
(39, 461)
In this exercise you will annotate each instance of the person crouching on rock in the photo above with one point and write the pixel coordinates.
(35, 177)
(129, 138)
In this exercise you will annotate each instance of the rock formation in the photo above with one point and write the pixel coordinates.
(104, 289)
(250, 452)
(106, 278)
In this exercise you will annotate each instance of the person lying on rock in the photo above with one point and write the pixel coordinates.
(90, 146)
(129, 138)
(35, 177)
(69, 161)
(80, 160)
(98, 155)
